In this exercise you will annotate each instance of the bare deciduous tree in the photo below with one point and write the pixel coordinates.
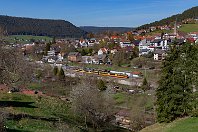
(90, 103)
(2, 125)
(13, 67)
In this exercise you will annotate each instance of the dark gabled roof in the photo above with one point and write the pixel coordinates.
(179, 41)
(156, 40)
(159, 51)
(73, 53)
(101, 56)
(53, 57)
(128, 48)
(136, 42)
(145, 50)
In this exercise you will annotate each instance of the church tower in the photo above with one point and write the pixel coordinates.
(175, 28)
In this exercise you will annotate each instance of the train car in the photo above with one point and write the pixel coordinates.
(81, 70)
(96, 72)
(122, 76)
(112, 74)
(89, 71)
(104, 73)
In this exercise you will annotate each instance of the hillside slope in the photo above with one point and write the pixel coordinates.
(39, 27)
(181, 125)
(190, 13)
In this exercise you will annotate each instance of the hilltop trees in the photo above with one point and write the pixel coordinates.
(40, 27)
(190, 13)
(174, 94)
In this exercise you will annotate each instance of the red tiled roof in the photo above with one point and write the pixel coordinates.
(124, 112)
(115, 37)
(194, 32)
(104, 49)
(31, 92)
(192, 40)
(136, 73)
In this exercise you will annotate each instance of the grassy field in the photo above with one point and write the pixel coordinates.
(119, 98)
(189, 28)
(36, 113)
(24, 39)
(181, 125)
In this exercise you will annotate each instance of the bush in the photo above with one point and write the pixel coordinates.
(145, 85)
(101, 85)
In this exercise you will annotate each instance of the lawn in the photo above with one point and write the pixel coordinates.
(120, 98)
(181, 125)
(189, 28)
(123, 99)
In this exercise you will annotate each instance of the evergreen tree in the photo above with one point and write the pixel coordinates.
(101, 85)
(55, 70)
(145, 85)
(53, 40)
(47, 48)
(164, 92)
(174, 93)
(83, 52)
(61, 74)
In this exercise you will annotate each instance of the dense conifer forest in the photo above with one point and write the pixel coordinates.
(39, 27)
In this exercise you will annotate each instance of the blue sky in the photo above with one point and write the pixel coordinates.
(124, 13)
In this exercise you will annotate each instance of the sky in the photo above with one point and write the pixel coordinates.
(108, 13)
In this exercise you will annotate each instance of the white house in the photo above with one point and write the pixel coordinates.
(159, 54)
(159, 44)
(145, 47)
(92, 41)
(52, 59)
(84, 43)
(60, 57)
(51, 53)
(87, 59)
(102, 51)
(125, 44)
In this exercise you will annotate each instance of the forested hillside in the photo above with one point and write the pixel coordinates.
(105, 29)
(190, 13)
(39, 27)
